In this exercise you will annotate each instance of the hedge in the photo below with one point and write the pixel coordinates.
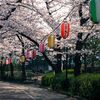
(85, 85)
(47, 79)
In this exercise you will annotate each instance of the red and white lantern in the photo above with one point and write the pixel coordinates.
(41, 47)
(65, 29)
(7, 61)
(33, 54)
(10, 60)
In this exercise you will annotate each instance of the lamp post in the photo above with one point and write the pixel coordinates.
(2, 70)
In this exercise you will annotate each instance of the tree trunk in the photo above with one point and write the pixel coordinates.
(66, 66)
(23, 71)
(59, 61)
(70, 60)
(2, 72)
(65, 62)
(23, 64)
(77, 67)
(93, 61)
(11, 67)
(79, 46)
(12, 71)
(23, 54)
(58, 66)
(2, 69)
(85, 62)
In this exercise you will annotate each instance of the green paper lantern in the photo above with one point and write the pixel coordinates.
(95, 11)
(14, 61)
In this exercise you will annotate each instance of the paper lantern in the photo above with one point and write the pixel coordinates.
(65, 29)
(41, 47)
(14, 61)
(95, 10)
(10, 60)
(27, 54)
(51, 41)
(22, 58)
(33, 54)
(7, 61)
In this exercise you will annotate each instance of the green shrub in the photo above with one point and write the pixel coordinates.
(47, 79)
(58, 82)
(87, 86)
(69, 71)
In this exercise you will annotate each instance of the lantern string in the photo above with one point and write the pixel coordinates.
(58, 24)
(64, 19)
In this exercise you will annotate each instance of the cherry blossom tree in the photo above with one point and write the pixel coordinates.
(36, 19)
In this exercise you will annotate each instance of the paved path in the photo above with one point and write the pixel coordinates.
(10, 91)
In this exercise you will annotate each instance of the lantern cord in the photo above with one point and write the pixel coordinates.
(44, 38)
(68, 15)
(63, 19)
(59, 24)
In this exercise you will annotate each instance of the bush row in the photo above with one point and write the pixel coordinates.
(85, 85)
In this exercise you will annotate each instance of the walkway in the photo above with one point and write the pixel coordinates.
(10, 91)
